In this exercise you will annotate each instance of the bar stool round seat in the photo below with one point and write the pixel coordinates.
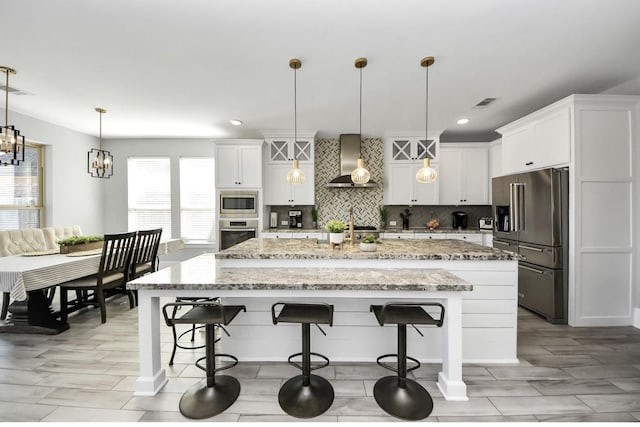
(305, 395)
(216, 393)
(398, 395)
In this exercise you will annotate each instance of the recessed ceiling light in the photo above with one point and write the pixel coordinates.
(463, 121)
(235, 122)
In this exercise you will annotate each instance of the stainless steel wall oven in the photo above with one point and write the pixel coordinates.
(233, 232)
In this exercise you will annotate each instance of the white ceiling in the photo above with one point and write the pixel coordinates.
(168, 68)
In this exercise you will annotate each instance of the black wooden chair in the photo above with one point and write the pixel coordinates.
(398, 395)
(111, 278)
(145, 253)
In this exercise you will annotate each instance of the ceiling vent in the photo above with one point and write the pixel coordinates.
(484, 103)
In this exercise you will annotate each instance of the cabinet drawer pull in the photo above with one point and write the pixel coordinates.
(528, 163)
(500, 242)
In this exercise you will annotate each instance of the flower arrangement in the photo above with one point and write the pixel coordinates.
(335, 226)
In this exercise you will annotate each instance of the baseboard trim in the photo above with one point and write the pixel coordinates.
(636, 317)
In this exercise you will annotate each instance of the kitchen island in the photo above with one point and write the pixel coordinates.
(489, 313)
(259, 272)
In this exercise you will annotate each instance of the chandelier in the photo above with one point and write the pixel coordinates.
(99, 161)
(11, 142)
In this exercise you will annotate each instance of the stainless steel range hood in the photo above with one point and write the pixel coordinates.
(349, 153)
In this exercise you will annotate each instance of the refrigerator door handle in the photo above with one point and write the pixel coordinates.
(535, 270)
(512, 207)
(531, 248)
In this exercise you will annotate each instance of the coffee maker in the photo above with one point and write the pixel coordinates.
(295, 219)
(459, 220)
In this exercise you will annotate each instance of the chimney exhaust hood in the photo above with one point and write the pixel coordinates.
(349, 153)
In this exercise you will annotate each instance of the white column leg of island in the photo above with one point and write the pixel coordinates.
(152, 377)
(450, 379)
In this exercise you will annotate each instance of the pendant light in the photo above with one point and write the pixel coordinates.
(360, 175)
(295, 175)
(426, 174)
(11, 142)
(99, 161)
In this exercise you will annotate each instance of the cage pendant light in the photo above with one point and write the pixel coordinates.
(11, 142)
(295, 175)
(99, 161)
(360, 174)
(426, 174)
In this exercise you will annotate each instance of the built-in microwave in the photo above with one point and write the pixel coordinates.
(238, 204)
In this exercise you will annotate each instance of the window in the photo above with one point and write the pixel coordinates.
(149, 194)
(197, 198)
(21, 189)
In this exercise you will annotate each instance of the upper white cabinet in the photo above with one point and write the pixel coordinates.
(540, 140)
(464, 174)
(286, 149)
(407, 149)
(281, 150)
(239, 164)
(279, 192)
(402, 160)
(401, 187)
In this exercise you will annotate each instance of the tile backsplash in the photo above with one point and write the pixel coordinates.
(335, 202)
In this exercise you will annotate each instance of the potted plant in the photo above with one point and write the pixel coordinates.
(80, 243)
(335, 228)
(382, 211)
(314, 217)
(368, 244)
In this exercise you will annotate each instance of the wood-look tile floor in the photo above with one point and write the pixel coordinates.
(88, 373)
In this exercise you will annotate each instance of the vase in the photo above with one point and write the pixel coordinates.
(81, 247)
(336, 238)
(367, 247)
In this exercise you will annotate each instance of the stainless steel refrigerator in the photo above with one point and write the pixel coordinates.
(531, 218)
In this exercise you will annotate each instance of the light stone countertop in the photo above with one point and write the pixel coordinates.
(387, 230)
(393, 249)
(204, 273)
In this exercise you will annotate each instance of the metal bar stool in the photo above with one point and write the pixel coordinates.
(215, 394)
(177, 339)
(398, 395)
(306, 395)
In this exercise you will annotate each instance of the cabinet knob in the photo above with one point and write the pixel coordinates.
(528, 163)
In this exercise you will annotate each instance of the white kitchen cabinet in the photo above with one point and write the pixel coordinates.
(285, 149)
(279, 192)
(487, 239)
(401, 187)
(537, 141)
(239, 164)
(463, 177)
(469, 237)
(398, 235)
(425, 235)
(408, 149)
(279, 155)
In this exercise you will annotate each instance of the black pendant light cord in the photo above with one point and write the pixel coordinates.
(295, 111)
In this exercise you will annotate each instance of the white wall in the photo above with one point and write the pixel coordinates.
(630, 87)
(78, 197)
(116, 187)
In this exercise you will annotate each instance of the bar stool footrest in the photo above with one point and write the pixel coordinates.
(391, 368)
(313, 368)
(223, 368)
